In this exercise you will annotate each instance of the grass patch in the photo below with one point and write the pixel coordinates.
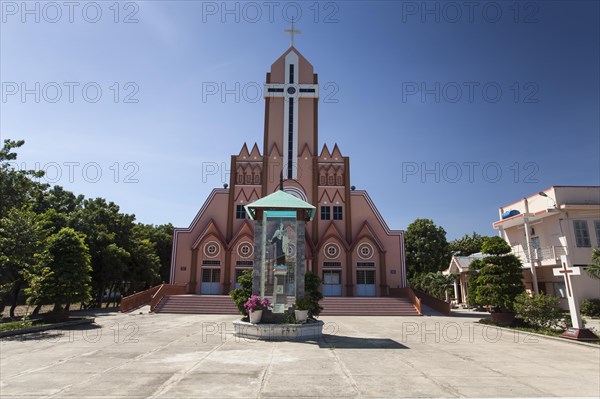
(521, 325)
(17, 325)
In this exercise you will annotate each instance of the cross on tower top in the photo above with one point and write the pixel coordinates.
(292, 32)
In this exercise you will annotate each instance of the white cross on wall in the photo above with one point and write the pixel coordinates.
(292, 92)
(567, 272)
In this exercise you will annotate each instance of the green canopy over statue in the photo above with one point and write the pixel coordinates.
(279, 223)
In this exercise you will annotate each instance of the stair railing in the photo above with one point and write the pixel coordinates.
(164, 290)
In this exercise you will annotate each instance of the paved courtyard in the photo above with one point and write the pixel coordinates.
(192, 356)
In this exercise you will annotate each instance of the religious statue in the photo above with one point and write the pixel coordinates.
(281, 241)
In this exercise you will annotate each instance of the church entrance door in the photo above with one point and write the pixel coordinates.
(365, 283)
(332, 283)
(211, 282)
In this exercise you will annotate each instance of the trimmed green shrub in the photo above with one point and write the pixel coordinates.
(590, 307)
(242, 294)
(500, 277)
(312, 282)
(539, 310)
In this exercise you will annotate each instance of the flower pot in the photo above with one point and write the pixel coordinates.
(301, 315)
(255, 316)
(503, 318)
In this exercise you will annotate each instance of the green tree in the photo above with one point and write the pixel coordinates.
(21, 235)
(144, 265)
(499, 281)
(467, 244)
(108, 234)
(472, 275)
(162, 237)
(594, 269)
(434, 284)
(62, 275)
(17, 187)
(427, 249)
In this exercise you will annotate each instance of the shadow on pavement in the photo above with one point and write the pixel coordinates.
(343, 342)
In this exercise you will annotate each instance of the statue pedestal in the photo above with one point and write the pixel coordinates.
(310, 331)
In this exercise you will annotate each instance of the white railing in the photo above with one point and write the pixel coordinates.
(552, 253)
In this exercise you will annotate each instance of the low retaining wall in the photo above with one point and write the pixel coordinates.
(311, 331)
(434, 303)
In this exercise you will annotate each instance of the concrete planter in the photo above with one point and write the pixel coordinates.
(255, 316)
(313, 330)
(301, 315)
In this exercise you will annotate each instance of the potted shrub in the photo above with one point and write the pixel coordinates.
(499, 280)
(254, 306)
(312, 282)
(301, 308)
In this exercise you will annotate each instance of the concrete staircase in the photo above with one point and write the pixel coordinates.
(197, 304)
(332, 306)
(367, 306)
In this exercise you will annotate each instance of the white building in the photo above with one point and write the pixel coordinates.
(557, 221)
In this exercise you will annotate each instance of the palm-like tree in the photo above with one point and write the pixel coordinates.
(594, 269)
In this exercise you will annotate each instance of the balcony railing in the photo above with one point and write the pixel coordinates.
(552, 253)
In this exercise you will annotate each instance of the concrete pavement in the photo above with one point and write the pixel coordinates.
(191, 356)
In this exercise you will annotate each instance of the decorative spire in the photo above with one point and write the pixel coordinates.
(292, 32)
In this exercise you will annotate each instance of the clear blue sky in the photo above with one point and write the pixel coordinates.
(376, 58)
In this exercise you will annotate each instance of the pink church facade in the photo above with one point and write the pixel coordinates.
(348, 244)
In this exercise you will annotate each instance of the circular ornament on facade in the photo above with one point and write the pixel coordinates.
(212, 249)
(331, 251)
(245, 249)
(296, 192)
(365, 251)
(291, 90)
(291, 251)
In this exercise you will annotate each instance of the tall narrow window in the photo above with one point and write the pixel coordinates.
(240, 213)
(337, 213)
(290, 168)
(582, 234)
(597, 228)
(325, 213)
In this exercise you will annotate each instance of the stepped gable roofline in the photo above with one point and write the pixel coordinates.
(198, 216)
(366, 232)
(279, 200)
(363, 193)
(332, 232)
(272, 152)
(211, 229)
(192, 226)
(306, 151)
(255, 152)
(336, 152)
(245, 230)
(244, 151)
(325, 152)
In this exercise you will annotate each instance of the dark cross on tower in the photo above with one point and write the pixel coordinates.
(291, 91)
(292, 32)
